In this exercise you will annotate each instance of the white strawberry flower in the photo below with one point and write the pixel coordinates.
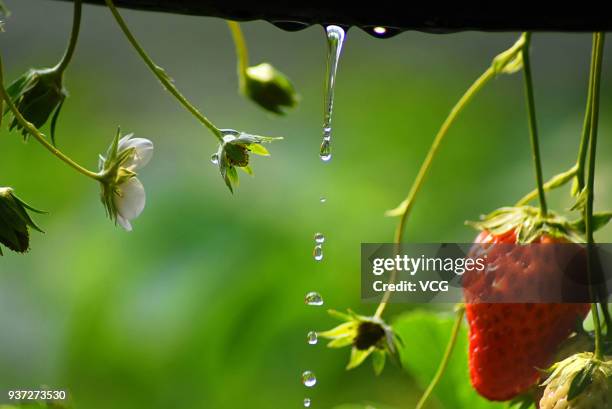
(123, 195)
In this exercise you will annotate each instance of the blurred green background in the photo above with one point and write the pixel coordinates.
(202, 305)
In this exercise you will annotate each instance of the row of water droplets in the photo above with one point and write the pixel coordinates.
(335, 40)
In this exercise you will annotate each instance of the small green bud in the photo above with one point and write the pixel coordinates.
(15, 221)
(269, 88)
(510, 60)
(37, 94)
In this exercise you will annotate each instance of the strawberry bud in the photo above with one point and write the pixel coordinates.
(37, 94)
(15, 221)
(269, 88)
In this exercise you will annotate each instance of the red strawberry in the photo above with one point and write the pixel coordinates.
(510, 342)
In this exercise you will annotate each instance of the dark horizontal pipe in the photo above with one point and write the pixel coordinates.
(395, 16)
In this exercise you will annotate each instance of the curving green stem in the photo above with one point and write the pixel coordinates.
(38, 135)
(161, 74)
(590, 182)
(480, 82)
(533, 129)
(448, 353)
(74, 36)
(242, 52)
(553, 183)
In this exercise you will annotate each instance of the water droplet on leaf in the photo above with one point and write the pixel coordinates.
(307, 402)
(319, 238)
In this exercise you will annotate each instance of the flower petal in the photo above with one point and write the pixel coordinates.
(143, 151)
(130, 200)
(124, 223)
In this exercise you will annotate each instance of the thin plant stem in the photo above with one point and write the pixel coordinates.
(533, 128)
(39, 136)
(161, 74)
(420, 178)
(242, 52)
(607, 318)
(74, 36)
(586, 127)
(590, 182)
(448, 353)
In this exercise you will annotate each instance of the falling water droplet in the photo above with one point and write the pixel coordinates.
(319, 238)
(317, 253)
(307, 402)
(313, 298)
(323, 199)
(325, 152)
(309, 379)
(312, 338)
(215, 159)
(335, 40)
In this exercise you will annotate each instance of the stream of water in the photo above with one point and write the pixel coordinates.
(335, 40)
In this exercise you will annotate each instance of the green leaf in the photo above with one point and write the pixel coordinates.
(425, 336)
(581, 381)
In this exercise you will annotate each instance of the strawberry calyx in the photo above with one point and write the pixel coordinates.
(575, 376)
(528, 225)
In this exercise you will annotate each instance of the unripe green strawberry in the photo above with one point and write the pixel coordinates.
(579, 382)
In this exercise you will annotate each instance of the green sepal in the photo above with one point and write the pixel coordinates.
(358, 356)
(247, 169)
(378, 361)
(581, 380)
(600, 219)
(528, 224)
(259, 149)
(521, 402)
(581, 200)
(54, 121)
